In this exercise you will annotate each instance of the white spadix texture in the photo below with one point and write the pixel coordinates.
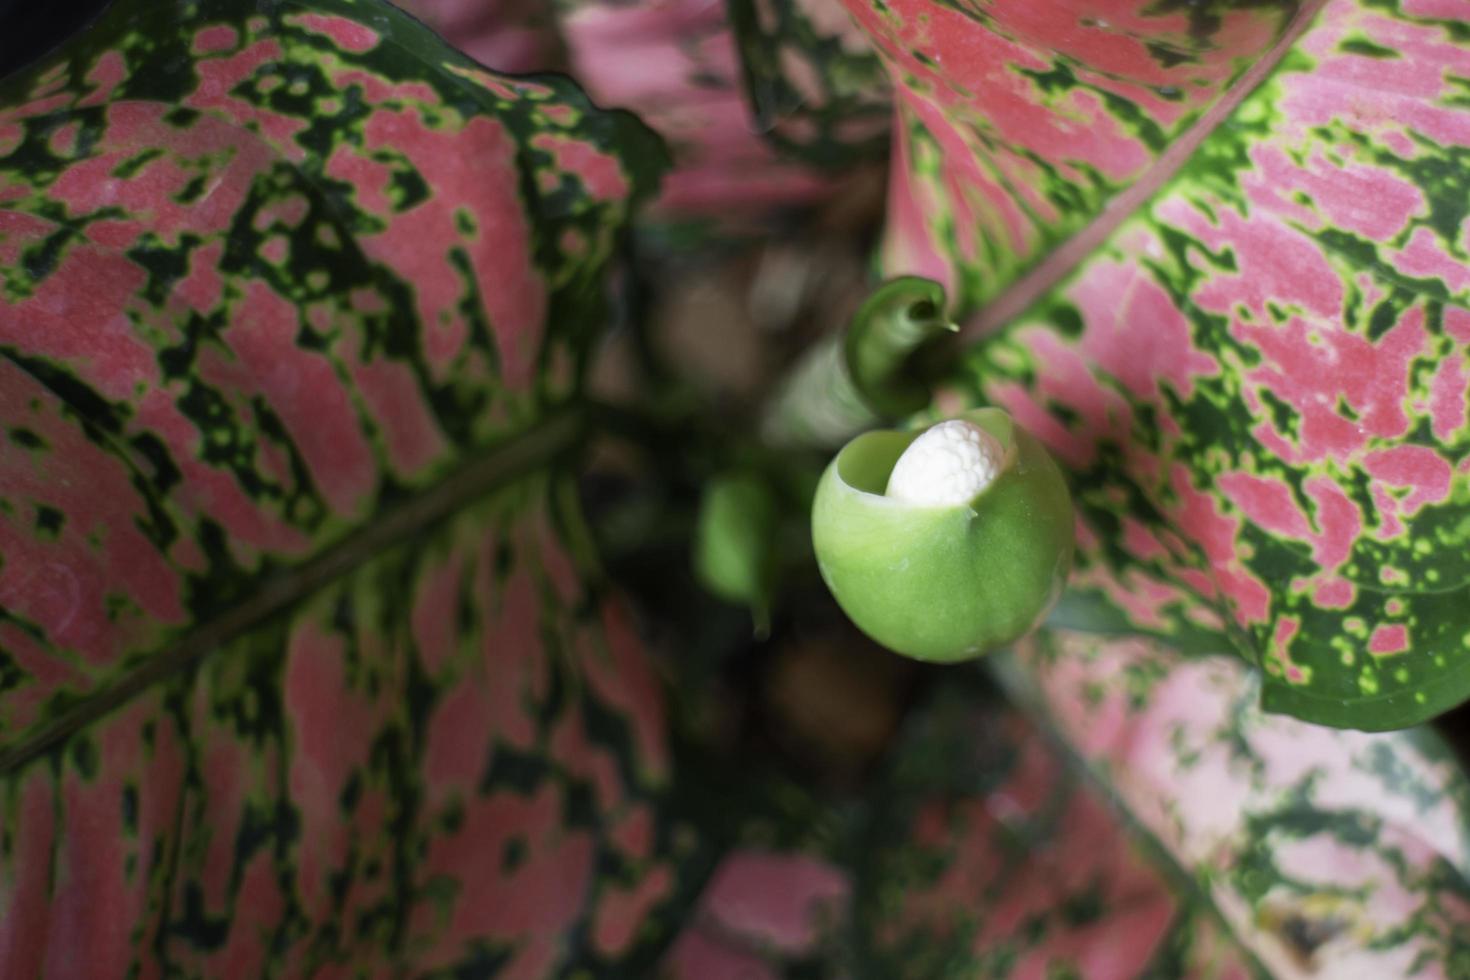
(946, 466)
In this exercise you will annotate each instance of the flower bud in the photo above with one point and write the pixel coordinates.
(946, 544)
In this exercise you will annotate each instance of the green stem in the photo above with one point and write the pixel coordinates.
(853, 381)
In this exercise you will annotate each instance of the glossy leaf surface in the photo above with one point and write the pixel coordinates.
(452, 758)
(1199, 837)
(1018, 122)
(267, 271)
(288, 291)
(990, 857)
(1257, 377)
(1327, 853)
(270, 351)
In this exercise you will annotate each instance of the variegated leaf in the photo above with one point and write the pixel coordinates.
(676, 64)
(765, 914)
(266, 275)
(506, 35)
(1018, 122)
(1327, 853)
(818, 90)
(990, 857)
(1258, 377)
(451, 759)
(288, 290)
(1198, 836)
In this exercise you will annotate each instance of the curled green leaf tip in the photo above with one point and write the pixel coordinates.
(899, 318)
(865, 375)
(949, 552)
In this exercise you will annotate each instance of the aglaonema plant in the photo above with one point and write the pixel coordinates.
(307, 665)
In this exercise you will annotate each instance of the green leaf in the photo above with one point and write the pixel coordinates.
(734, 543)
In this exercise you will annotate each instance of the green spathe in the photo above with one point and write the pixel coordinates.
(944, 583)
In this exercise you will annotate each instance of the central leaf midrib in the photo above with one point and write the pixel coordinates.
(520, 454)
(1043, 277)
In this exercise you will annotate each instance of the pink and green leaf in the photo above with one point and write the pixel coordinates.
(302, 670)
(1326, 852)
(451, 758)
(1019, 122)
(266, 276)
(764, 914)
(506, 35)
(1179, 831)
(1250, 354)
(285, 296)
(991, 856)
(676, 65)
(818, 90)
